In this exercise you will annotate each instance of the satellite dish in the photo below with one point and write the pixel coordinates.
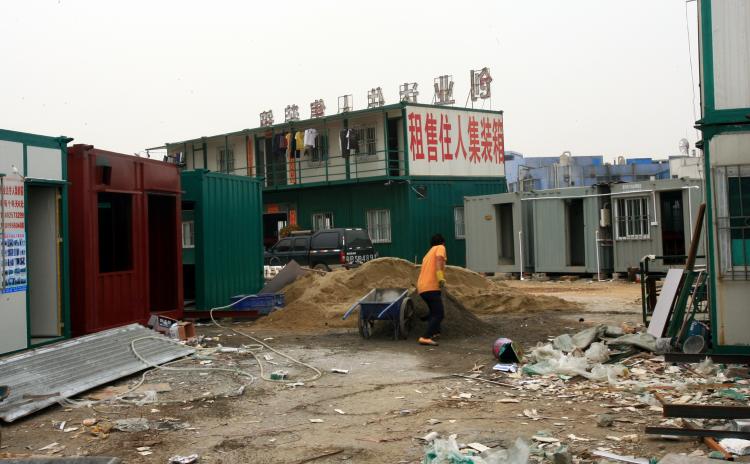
(684, 146)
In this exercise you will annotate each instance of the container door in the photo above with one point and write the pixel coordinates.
(672, 227)
(13, 330)
(44, 263)
(163, 261)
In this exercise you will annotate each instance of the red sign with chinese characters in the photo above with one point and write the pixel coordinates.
(451, 142)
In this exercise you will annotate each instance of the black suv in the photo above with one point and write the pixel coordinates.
(325, 249)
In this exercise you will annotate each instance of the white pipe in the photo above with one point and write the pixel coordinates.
(604, 194)
(520, 251)
(690, 215)
(598, 270)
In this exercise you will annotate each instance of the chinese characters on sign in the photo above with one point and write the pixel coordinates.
(455, 142)
(375, 98)
(266, 118)
(317, 109)
(407, 92)
(291, 113)
(13, 238)
(444, 90)
(480, 84)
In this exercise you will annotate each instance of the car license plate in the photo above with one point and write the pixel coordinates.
(359, 259)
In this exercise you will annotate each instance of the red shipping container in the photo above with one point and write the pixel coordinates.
(125, 239)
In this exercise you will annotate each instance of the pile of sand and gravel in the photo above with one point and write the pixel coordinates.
(316, 301)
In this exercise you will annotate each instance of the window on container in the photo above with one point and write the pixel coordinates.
(631, 218)
(366, 141)
(284, 245)
(739, 219)
(301, 244)
(357, 238)
(732, 199)
(322, 221)
(325, 241)
(458, 222)
(115, 211)
(379, 225)
(188, 234)
(319, 152)
(226, 160)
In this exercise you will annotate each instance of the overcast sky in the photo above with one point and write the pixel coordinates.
(590, 76)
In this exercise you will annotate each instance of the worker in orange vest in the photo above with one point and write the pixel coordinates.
(429, 286)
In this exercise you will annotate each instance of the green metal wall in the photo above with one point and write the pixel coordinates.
(413, 220)
(228, 252)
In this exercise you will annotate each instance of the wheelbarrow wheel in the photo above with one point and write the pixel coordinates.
(406, 318)
(366, 327)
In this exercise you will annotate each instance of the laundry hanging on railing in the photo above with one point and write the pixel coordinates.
(309, 138)
(349, 141)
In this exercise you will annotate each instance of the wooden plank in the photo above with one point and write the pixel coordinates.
(663, 307)
(697, 432)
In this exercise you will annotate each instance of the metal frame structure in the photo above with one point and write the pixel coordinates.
(729, 319)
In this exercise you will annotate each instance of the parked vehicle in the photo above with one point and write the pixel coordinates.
(324, 249)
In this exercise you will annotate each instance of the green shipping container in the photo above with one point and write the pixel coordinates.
(417, 209)
(222, 242)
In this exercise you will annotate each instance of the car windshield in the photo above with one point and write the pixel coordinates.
(357, 239)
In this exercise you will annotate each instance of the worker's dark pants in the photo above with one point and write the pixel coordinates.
(434, 301)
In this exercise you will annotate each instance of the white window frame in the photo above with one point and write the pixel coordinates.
(635, 216)
(379, 225)
(324, 219)
(226, 160)
(188, 234)
(459, 226)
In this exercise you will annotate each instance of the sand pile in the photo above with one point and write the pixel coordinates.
(317, 301)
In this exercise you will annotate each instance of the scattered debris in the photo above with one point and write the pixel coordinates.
(57, 368)
(141, 424)
(190, 459)
(736, 446)
(604, 420)
(620, 458)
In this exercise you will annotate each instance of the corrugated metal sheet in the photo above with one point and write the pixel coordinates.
(435, 213)
(77, 365)
(228, 252)
(731, 55)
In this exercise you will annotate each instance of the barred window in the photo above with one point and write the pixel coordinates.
(319, 153)
(367, 141)
(732, 199)
(226, 160)
(631, 218)
(322, 221)
(379, 225)
(458, 222)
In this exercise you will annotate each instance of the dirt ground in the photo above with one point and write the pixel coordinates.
(394, 392)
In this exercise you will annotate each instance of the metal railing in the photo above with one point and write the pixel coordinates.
(306, 169)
